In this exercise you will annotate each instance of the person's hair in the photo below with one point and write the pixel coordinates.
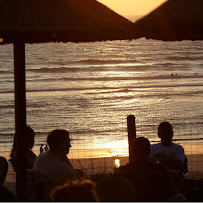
(75, 191)
(30, 136)
(56, 137)
(165, 126)
(115, 189)
(3, 170)
(141, 148)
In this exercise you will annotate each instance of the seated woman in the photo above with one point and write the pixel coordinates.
(30, 135)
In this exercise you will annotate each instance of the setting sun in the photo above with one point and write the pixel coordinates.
(132, 7)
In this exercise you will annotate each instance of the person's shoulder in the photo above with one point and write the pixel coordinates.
(31, 154)
(177, 146)
(155, 146)
(42, 156)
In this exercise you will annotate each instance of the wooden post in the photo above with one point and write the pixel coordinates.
(131, 134)
(20, 119)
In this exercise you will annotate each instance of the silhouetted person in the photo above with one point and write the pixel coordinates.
(115, 189)
(30, 140)
(75, 191)
(150, 179)
(54, 163)
(169, 153)
(41, 148)
(5, 194)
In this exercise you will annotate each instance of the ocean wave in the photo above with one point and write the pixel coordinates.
(127, 78)
(184, 58)
(108, 61)
(91, 68)
(9, 106)
(128, 88)
(6, 71)
(54, 70)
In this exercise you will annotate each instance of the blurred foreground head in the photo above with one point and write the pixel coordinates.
(115, 189)
(59, 141)
(75, 191)
(165, 132)
(141, 149)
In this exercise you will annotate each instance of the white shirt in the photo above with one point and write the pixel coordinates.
(54, 168)
(174, 151)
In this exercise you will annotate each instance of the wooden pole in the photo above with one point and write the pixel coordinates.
(20, 119)
(131, 134)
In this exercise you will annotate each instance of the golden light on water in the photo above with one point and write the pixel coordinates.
(117, 163)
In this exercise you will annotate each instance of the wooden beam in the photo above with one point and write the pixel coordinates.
(131, 134)
(20, 119)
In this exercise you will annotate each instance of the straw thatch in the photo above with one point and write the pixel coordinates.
(173, 20)
(60, 20)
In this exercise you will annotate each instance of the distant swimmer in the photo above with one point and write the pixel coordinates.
(41, 148)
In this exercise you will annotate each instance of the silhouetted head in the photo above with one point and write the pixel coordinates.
(115, 189)
(75, 191)
(59, 141)
(165, 132)
(30, 135)
(30, 140)
(141, 149)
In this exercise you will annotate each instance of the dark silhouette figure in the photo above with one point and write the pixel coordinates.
(169, 153)
(5, 194)
(30, 135)
(54, 164)
(150, 179)
(75, 191)
(41, 148)
(115, 189)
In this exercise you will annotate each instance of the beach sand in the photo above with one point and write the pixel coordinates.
(106, 165)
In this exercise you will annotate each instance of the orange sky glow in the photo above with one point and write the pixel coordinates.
(132, 7)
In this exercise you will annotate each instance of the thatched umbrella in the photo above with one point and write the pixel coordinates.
(37, 21)
(174, 20)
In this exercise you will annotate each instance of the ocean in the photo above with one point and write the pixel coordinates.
(91, 88)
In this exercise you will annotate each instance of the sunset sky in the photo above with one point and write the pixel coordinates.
(132, 7)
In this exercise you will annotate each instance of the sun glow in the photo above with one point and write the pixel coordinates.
(132, 7)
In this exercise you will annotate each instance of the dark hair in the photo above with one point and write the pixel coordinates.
(56, 137)
(165, 126)
(30, 136)
(141, 148)
(77, 190)
(3, 170)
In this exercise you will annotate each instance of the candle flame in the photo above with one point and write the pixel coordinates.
(117, 163)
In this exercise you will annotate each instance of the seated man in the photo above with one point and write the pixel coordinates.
(169, 153)
(54, 164)
(150, 179)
